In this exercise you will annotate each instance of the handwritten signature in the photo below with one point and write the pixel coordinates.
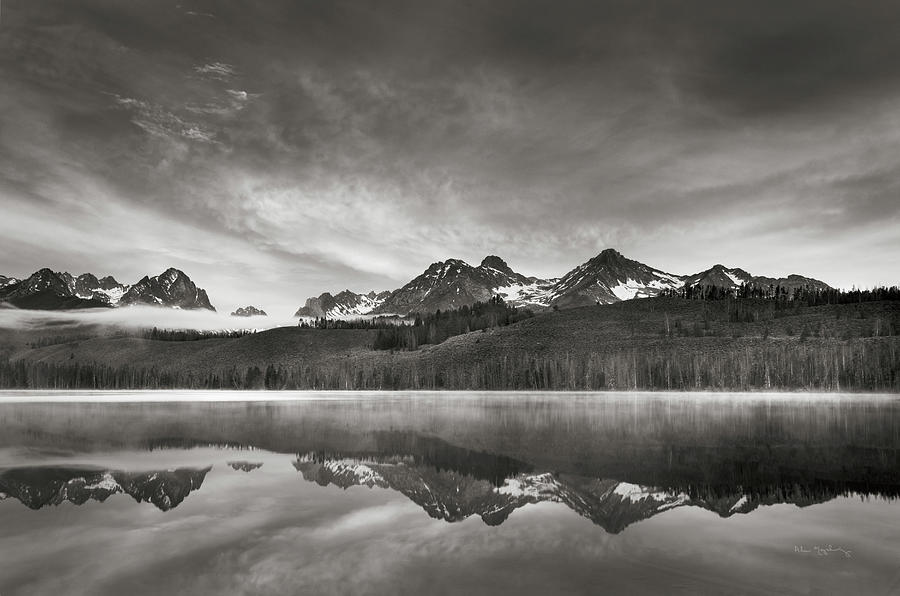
(825, 551)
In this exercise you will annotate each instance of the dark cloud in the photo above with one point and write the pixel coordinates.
(340, 144)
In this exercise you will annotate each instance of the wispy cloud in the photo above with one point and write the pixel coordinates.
(158, 121)
(216, 70)
(237, 94)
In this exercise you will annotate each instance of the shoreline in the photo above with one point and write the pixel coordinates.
(63, 396)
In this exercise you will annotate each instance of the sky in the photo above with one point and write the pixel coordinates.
(276, 150)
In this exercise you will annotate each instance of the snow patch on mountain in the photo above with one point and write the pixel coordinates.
(363, 473)
(106, 482)
(734, 278)
(539, 487)
(740, 503)
(113, 295)
(538, 293)
(636, 493)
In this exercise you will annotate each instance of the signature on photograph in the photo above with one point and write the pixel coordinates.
(823, 551)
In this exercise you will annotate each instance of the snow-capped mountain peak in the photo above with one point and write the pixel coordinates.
(50, 290)
(345, 304)
(732, 278)
(611, 277)
(171, 288)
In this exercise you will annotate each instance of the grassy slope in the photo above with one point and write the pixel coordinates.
(641, 323)
(282, 346)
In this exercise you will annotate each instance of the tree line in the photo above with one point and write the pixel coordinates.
(192, 334)
(802, 295)
(360, 323)
(871, 364)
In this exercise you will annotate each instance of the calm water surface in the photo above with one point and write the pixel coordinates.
(449, 494)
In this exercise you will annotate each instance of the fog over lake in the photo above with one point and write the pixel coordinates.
(436, 493)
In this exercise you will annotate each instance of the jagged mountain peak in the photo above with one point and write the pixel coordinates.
(611, 277)
(346, 294)
(719, 275)
(172, 275)
(249, 311)
(734, 270)
(454, 283)
(45, 278)
(495, 262)
(733, 277)
(171, 288)
(447, 268)
(46, 289)
(344, 304)
(609, 255)
(108, 282)
(88, 278)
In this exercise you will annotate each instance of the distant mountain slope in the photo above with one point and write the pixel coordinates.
(443, 285)
(106, 289)
(454, 283)
(606, 278)
(732, 278)
(171, 288)
(249, 311)
(720, 276)
(610, 277)
(343, 304)
(52, 290)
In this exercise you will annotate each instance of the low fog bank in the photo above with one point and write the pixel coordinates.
(136, 317)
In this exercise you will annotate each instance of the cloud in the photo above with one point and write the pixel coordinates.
(157, 121)
(216, 70)
(237, 95)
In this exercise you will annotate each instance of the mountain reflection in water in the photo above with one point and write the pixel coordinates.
(40, 486)
(617, 461)
(452, 492)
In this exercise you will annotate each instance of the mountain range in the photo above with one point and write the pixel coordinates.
(343, 304)
(608, 277)
(52, 290)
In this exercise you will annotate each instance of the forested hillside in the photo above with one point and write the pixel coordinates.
(664, 343)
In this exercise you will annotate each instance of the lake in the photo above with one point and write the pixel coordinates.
(448, 493)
